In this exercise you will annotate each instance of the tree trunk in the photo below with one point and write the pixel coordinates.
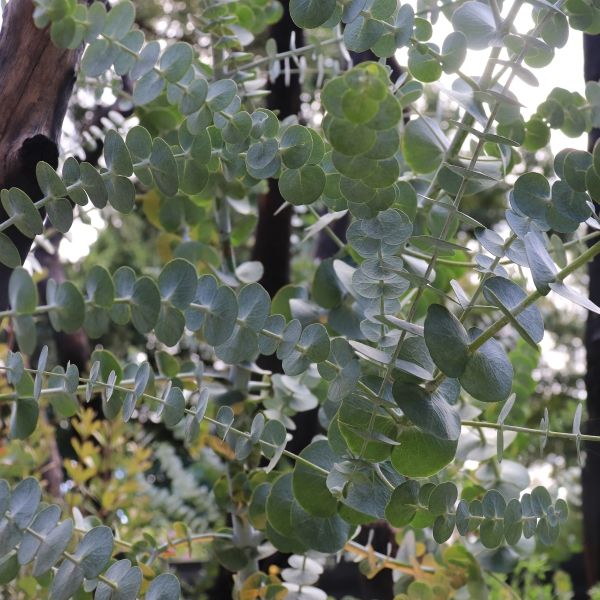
(272, 245)
(37, 81)
(591, 470)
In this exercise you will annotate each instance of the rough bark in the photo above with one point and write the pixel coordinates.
(591, 469)
(37, 81)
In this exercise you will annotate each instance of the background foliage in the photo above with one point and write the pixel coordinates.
(416, 341)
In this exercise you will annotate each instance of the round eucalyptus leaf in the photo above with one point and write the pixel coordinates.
(423, 145)
(476, 21)
(428, 411)
(309, 485)
(403, 504)
(164, 587)
(296, 146)
(498, 290)
(302, 186)
(489, 373)
(18, 206)
(174, 407)
(145, 304)
(177, 283)
(116, 154)
(309, 14)
(221, 94)
(100, 287)
(323, 534)
(176, 60)
(22, 292)
(9, 255)
(447, 340)
(23, 418)
(409, 459)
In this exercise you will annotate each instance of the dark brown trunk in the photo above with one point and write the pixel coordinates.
(272, 241)
(37, 81)
(591, 470)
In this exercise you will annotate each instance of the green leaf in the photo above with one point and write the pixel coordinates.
(279, 505)
(94, 551)
(447, 340)
(442, 498)
(323, 534)
(221, 319)
(145, 304)
(309, 485)
(9, 255)
(148, 88)
(22, 292)
(423, 145)
(24, 502)
(128, 580)
(422, 65)
(454, 52)
(428, 411)
(403, 504)
(68, 306)
(221, 94)
(296, 146)
(488, 375)
(513, 525)
(51, 549)
(351, 139)
(119, 20)
(98, 58)
(507, 295)
(531, 195)
(67, 580)
(20, 208)
(23, 418)
(302, 186)
(177, 283)
(176, 60)
(542, 267)
(99, 287)
(363, 33)
(139, 143)
(44, 522)
(238, 128)
(308, 14)
(476, 21)
(48, 180)
(116, 154)
(164, 167)
(409, 459)
(164, 587)
(93, 184)
(374, 443)
(60, 214)
(174, 407)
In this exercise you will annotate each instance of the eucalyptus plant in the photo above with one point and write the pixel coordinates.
(406, 353)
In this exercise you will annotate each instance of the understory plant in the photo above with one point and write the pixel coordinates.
(414, 341)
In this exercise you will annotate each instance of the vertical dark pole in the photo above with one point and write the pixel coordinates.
(591, 471)
(272, 243)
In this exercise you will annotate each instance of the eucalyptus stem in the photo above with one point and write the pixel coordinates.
(531, 431)
(290, 53)
(581, 260)
(187, 411)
